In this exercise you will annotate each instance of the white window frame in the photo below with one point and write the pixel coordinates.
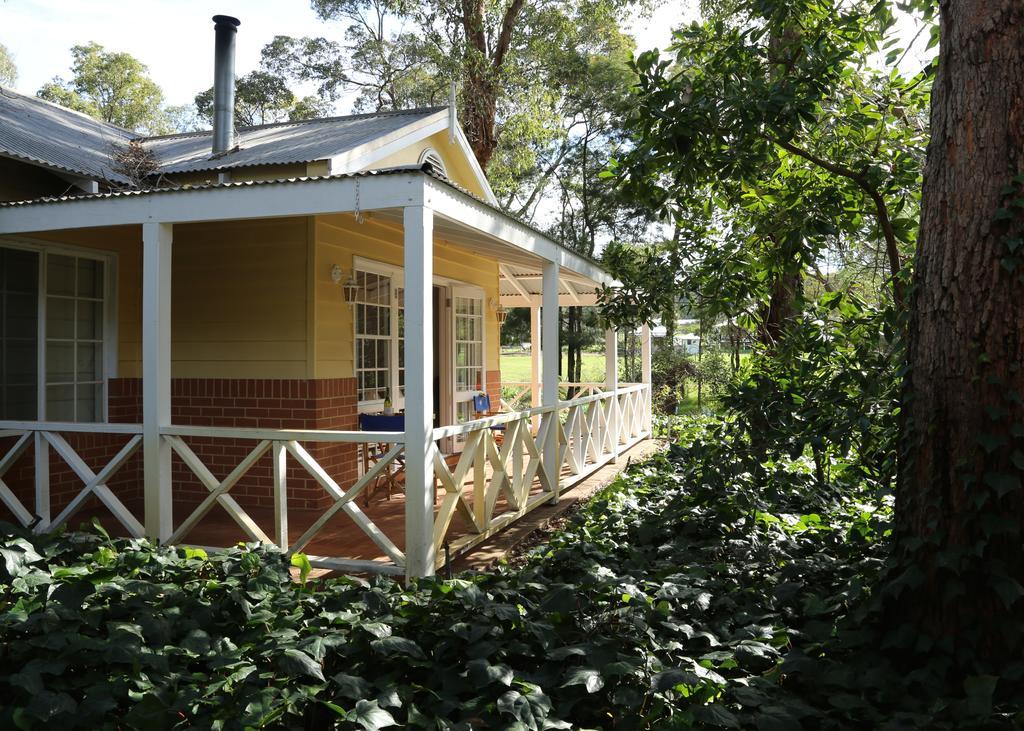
(397, 277)
(453, 288)
(110, 334)
(467, 291)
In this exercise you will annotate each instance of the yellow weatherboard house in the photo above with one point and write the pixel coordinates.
(255, 333)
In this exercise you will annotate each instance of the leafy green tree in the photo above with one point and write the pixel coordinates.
(769, 140)
(262, 97)
(8, 69)
(507, 57)
(114, 87)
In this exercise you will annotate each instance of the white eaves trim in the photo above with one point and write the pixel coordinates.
(280, 199)
(460, 207)
(463, 143)
(361, 157)
(230, 202)
(364, 156)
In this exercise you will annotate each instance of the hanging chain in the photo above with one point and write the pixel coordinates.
(359, 213)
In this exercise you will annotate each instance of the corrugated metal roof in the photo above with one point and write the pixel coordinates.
(51, 200)
(40, 132)
(281, 144)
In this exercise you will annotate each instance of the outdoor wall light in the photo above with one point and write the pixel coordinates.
(349, 288)
(499, 311)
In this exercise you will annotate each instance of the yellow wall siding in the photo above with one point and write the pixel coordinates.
(338, 240)
(239, 300)
(254, 299)
(238, 297)
(459, 170)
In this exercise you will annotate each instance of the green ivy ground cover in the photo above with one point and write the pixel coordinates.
(703, 589)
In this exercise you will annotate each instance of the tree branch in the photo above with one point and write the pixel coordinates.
(505, 37)
(881, 210)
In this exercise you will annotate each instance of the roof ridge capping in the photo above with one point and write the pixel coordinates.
(423, 111)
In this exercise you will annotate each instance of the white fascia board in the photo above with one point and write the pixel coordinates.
(459, 207)
(361, 157)
(474, 164)
(228, 203)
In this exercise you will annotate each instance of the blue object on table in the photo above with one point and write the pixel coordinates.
(380, 422)
(482, 405)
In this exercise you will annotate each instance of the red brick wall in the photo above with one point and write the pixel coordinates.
(255, 403)
(494, 389)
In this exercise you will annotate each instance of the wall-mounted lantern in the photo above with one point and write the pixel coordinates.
(349, 288)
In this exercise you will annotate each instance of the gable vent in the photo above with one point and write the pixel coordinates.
(431, 157)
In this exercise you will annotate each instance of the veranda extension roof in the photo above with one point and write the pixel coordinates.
(460, 218)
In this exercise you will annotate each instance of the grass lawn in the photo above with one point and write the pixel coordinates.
(516, 367)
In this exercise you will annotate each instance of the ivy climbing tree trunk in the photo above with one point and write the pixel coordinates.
(960, 503)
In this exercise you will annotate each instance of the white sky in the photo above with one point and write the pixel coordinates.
(174, 38)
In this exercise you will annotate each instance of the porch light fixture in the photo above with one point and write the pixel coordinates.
(499, 312)
(349, 288)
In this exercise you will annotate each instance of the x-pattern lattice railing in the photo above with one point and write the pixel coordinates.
(500, 475)
(282, 446)
(589, 431)
(44, 436)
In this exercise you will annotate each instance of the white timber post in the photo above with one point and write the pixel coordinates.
(645, 369)
(42, 469)
(550, 357)
(419, 393)
(611, 385)
(156, 378)
(535, 350)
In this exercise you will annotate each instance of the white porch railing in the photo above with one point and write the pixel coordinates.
(592, 430)
(515, 395)
(284, 445)
(42, 436)
(499, 476)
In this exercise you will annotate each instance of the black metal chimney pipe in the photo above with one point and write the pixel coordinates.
(226, 29)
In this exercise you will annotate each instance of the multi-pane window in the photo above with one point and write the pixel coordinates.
(19, 334)
(373, 307)
(469, 344)
(74, 338)
(60, 298)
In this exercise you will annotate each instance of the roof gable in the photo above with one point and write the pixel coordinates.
(72, 143)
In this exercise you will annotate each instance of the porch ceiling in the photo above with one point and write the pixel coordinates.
(521, 272)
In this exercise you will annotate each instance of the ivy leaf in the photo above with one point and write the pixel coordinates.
(717, 715)
(296, 661)
(371, 716)
(587, 677)
(979, 690)
(530, 709)
(351, 686)
(398, 646)
(301, 562)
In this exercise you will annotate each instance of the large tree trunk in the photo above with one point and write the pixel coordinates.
(960, 502)
(782, 308)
